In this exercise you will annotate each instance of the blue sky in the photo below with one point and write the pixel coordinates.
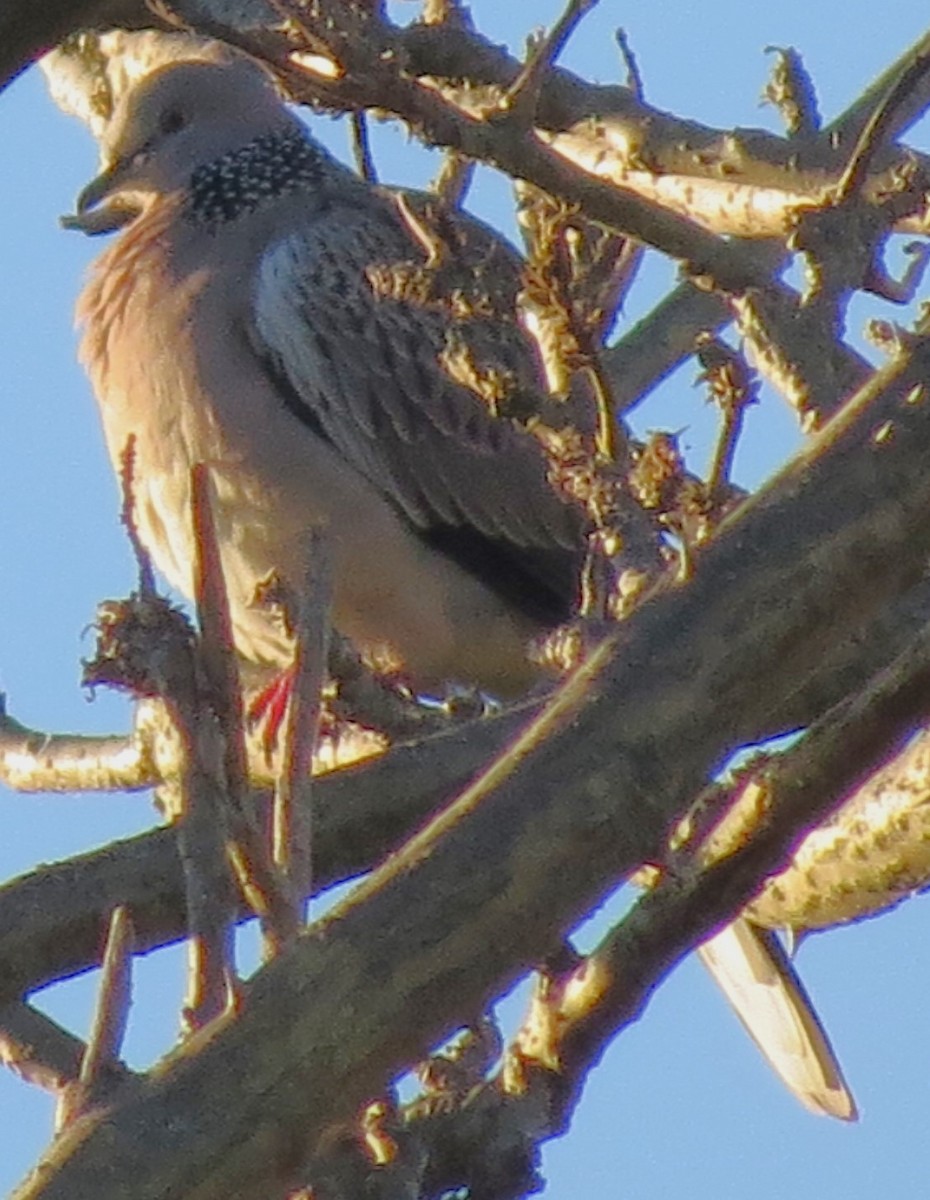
(682, 1104)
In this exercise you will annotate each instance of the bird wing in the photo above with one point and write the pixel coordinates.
(364, 365)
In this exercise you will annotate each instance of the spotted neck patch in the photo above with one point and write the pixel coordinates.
(242, 180)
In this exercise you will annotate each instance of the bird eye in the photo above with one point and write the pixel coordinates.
(172, 120)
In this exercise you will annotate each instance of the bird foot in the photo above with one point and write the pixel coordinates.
(268, 709)
(338, 741)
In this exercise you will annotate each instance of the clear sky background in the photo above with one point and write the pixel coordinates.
(682, 1104)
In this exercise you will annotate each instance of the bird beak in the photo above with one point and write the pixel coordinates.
(98, 189)
(99, 208)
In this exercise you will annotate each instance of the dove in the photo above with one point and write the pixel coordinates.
(268, 313)
(238, 322)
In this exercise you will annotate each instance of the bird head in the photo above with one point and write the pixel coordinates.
(172, 121)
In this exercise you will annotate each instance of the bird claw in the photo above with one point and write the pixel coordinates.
(268, 709)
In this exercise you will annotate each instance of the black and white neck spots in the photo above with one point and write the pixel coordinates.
(240, 181)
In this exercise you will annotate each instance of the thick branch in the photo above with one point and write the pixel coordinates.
(587, 1006)
(586, 795)
(31, 761)
(51, 920)
(870, 855)
(741, 182)
(40, 1051)
(53, 916)
(29, 30)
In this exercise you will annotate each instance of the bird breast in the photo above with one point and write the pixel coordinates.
(166, 345)
(172, 372)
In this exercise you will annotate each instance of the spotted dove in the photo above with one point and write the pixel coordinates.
(268, 313)
(254, 316)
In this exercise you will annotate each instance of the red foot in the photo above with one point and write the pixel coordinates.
(269, 707)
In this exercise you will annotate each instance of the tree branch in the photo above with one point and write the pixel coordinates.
(582, 797)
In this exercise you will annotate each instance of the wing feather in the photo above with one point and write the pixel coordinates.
(366, 367)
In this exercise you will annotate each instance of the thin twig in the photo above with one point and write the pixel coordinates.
(262, 885)
(791, 91)
(846, 127)
(453, 179)
(42, 1053)
(872, 137)
(376, 702)
(208, 901)
(216, 766)
(433, 245)
(634, 80)
(616, 278)
(361, 148)
(731, 429)
(148, 647)
(114, 997)
(446, 12)
(732, 387)
(215, 621)
(292, 13)
(609, 438)
(292, 813)
(128, 517)
(523, 95)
